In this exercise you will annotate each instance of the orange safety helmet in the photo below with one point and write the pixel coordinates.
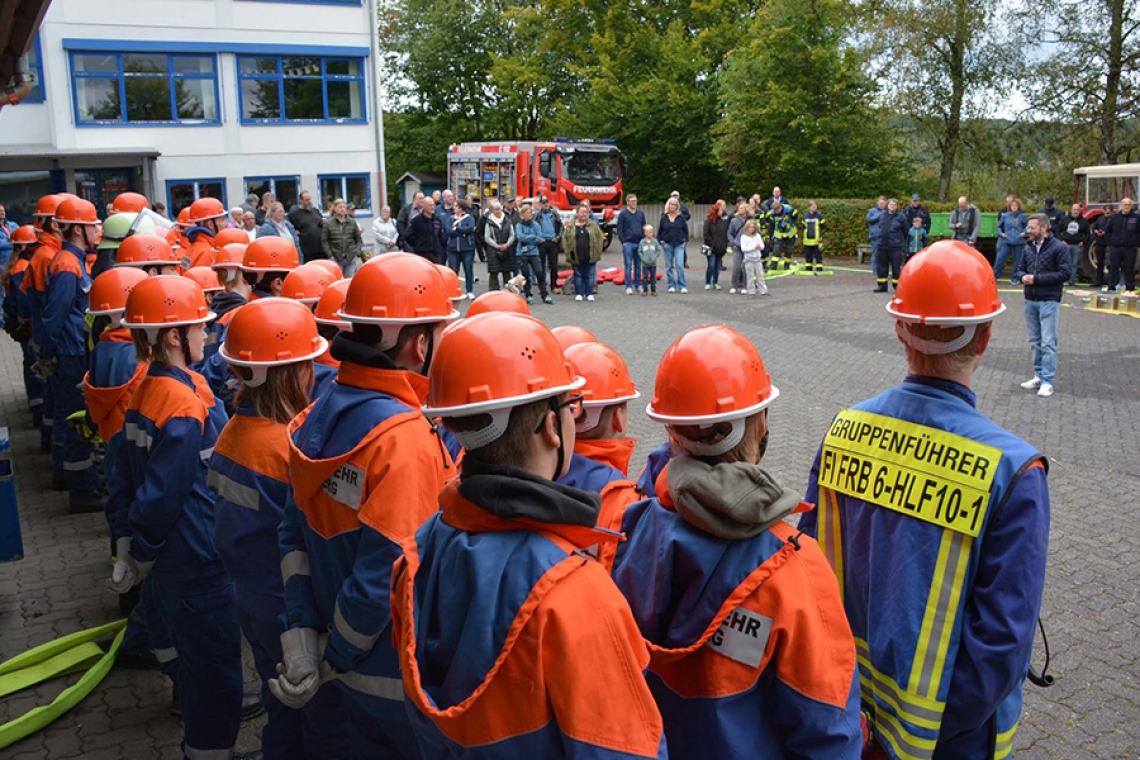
(607, 379)
(205, 208)
(332, 266)
(46, 205)
(76, 211)
(25, 235)
(166, 301)
(270, 332)
(306, 284)
(146, 251)
(129, 203)
(206, 278)
(569, 335)
(492, 363)
(174, 238)
(229, 256)
(711, 374)
(499, 300)
(451, 282)
(184, 218)
(270, 254)
(394, 290)
(109, 292)
(230, 235)
(947, 284)
(330, 304)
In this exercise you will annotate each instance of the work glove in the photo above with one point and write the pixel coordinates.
(300, 674)
(45, 368)
(83, 427)
(126, 573)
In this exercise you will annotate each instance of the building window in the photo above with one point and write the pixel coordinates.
(352, 187)
(144, 88)
(283, 89)
(180, 193)
(284, 188)
(36, 65)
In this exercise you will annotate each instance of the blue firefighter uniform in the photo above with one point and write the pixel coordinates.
(515, 644)
(250, 472)
(366, 468)
(750, 655)
(654, 465)
(596, 463)
(936, 522)
(34, 286)
(65, 338)
(159, 497)
(324, 374)
(18, 321)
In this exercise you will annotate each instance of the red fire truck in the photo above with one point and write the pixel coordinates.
(565, 170)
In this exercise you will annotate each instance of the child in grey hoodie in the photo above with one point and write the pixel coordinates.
(648, 250)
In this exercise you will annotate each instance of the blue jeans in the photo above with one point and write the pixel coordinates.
(1075, 250)
(1001, 254)
(675, 258)
(468, 259)
(1041, 322)
(712, 273)
(1017, 251)
(585, 278)
(632, 265)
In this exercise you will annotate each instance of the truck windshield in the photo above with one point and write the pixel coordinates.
(1107, 191)
(589, 168)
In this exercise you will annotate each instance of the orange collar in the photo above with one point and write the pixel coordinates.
(401, 384)
(327, 360)
(615, 452)
(119, 335)
(468, 516)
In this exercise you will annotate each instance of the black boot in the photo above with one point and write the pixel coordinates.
(84, 502)
(251, 706)
(58, 482)
(252, 755)
(881, 289)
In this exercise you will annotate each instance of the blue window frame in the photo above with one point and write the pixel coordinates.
(354, 188)
(130, 88)
(298, 88)
(36, 64)
(286, 189)
(180, 193)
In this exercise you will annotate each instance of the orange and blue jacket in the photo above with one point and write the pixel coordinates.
(750, 651)
(65, 304)
(598, 462)
(324, 373)
(158, 490)
(113, 376)
(202, 250)
(654, 465)
(513, 642)
(365, 468)
(250, 473)
(35, 281)
(16, 307)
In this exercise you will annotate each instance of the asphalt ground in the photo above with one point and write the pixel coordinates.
(827, 343)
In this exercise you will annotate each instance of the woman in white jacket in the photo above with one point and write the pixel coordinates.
(752, 246)
(384, 233)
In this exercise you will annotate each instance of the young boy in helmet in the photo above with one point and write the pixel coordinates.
(271, 345)
(941, 549)
(18, 315)
(750, 654)
(366, 467)
(34, 286)
(63, 348)
(117, 228)
(149, 253)
(513, 642)
(307, 284)
(207, 217)
(162, 510)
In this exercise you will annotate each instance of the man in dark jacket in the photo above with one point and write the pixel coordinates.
(892, 242)
(409, 212)
(426, 235)
(1123, 233)
(307, 220)
(917, 209)
(1054, 215)
(630, 230)
(1044, 271)
(551, 225)
(1100, 245)
(1074, 232)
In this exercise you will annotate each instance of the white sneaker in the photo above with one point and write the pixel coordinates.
(471, 296)
(629, 291)
(589, 298)
(732, 291)
(708, 287)
(1034, 383)
(672, 290)
(684, 290)
(577, 298)
(1045, 391)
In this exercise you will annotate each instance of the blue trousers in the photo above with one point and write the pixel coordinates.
(376, 738)
(1041, 319)
(320, 730)
(530, 267)
(675, 266)
(584, 279)
(1001, 254)
(201, 618)
(77, 457)
(1016, 251)
(33, 386)
(712, 271)
(467, 258)
(632, 265)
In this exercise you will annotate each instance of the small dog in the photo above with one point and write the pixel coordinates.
(516, 284)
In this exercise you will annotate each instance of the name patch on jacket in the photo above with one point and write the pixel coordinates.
(742, 636)
(346, 485)
(920, 471)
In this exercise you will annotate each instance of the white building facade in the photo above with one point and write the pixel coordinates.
(180, 99)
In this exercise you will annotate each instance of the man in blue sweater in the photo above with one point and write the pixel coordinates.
(1044, 270)
(630, 223)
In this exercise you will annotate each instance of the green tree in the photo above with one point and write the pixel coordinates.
(798, 108)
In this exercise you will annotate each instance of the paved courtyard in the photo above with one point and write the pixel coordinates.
(827, 343)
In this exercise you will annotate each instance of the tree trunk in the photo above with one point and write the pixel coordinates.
(1108, 113)
(953, 134)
